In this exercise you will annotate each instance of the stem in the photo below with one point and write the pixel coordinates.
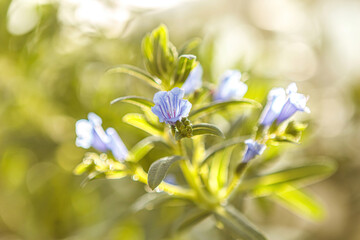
(193, 178)
(235, 182)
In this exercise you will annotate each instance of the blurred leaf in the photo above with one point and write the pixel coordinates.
(159, 53)
(149, 200)
(142, 102)
(283, 139)
(139, 121)
(142, 148)
(238, 224)
(221, 146)
(189, 46)
(190, 219)
(185, 64)
(138, 73)
(84, 167)
(159, 168)
(216, 106)
(206, 129)
(300, 203)
(299, 176)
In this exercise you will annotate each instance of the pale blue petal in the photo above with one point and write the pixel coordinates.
(158, 112)
(169, 106)
(253, 149)
(116, 145)
(94, 119)
(159, 96)
(296, 102)
(84, 132)
(276, 101)
(194, 80)
(230, 86)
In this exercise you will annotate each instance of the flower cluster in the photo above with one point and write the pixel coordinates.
(183, 116)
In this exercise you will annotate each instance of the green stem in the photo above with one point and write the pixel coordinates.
(193, 179)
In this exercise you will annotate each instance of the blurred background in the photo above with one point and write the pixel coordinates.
(53, 55)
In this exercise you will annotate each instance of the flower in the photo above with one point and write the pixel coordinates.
(230, 87)
(193, 81)
(91, 134)
(295, 102)
(275, 102)
(253, 148)
(170, 107)
(282, 104)
(116, 145)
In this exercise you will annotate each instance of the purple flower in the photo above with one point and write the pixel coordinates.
(170, 107)
(91, 134)
(295, 102)
(230, 87)
(275, 102)
(193, 81)
(282, 104)
(253, 149)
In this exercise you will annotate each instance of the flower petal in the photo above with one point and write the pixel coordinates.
(116, 145)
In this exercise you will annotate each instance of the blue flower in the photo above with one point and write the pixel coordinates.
(295, 102)
(275, 102)
(91, 134)
(170, 107)
(193, 81)
(282, 104)
(253, 149)
(230, 87)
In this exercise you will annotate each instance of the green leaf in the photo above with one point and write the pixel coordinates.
(149, 201)
(158, 170)
(206, 129)
(301, 203)
(216, 106)
(185, 64)
(189, 46)
(143, 147)
(159, 53)
(142, 102)
(300, 176)
(238, 224)
(189, 219)
(139, 121)
(138, 73)
(221, 146)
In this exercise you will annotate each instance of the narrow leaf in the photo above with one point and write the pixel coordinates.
(238, 224)
(139, 121)
(216, 106)
(142, 102)
(138, 73)
(299, 176)
(149, 201)
(207, 129)
(301, 203)
(185, 64)
(189, 46)
(221, 146)
(158, 170)
(190, 219)
(143, 147)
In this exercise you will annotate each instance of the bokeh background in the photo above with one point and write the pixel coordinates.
(53, 55)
